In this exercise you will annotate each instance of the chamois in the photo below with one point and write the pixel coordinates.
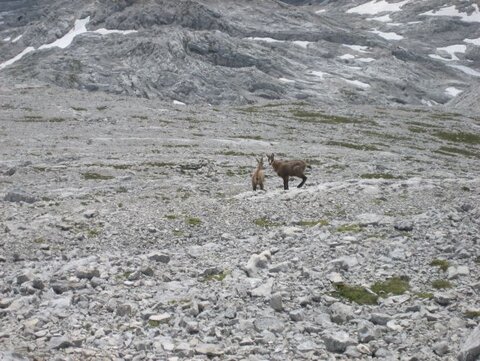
(258, 175)
(288, 168)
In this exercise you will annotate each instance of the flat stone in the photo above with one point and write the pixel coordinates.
(264, 290)
(160, 318)
(340, 313)
(337, 341)
(297, 315)
(159, 257)
(470, 349)
(272, 324)
(209, 349)
(276, 302)
(59, 342)
(20, 196)
(87, 273)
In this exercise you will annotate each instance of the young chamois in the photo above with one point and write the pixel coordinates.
(288, 168)
(258, 175)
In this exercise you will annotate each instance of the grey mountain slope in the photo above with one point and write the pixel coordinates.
(203, 51)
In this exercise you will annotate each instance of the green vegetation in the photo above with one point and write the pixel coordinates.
(321, 222)
(355, 294)
(192, 221)
(393, 285)
(216, 277)
(461, 137)
(96, 176)
(79, 109)
(236, 154)
(366, 147)
(171, 216)
(441, 284)
(440, 263)
(253, 137)
(121, 189)
(455, 151)
(424, 295)
(102, 107)
(159, 164)
(318, 117)
(352, 228)
(264, 222)
(142, 117)
(153, 323)
(378, 176)
(472, 314)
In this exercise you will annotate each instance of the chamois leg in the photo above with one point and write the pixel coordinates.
(285, 183)
(303, 181)
(254, 186)
(261, 186)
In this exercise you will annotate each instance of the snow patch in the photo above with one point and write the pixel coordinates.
(318, 73)
(7, 38)
(16, 58)
(303, 44)
(347, 56)
(176, 102)
(472, 41)
(428, 102)
(104, 31)
(452, 49)
(466, 70)
(267, 40)
(358, 83)
(438, 57)
(474, 17)
(452, 91)
(17, 38)
(376, 7)
(79, 27)
(320, 11)
(359, 48)
(383, 19)
(285, 80)
(366, 60)
(388, 36)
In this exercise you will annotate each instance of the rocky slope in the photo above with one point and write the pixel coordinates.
(355, 52)
(129, 231)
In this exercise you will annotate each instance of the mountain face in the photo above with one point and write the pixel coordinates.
(407, 52)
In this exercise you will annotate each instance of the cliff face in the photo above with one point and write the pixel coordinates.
(241, 52)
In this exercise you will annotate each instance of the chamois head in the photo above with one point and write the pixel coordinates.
(270, 158)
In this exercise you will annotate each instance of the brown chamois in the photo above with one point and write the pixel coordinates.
(289, 168)
(258, 175)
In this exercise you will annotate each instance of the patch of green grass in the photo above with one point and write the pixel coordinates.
(393, 285)
(314, 117)
(96, 176)
(321, 222)
(424, 295)
(178, 233)
(378, 176)
(142, 117)
(39, 240)
(351, 228)
(102, 107)
(367, 147)
(357, 294)
(193, 221)
(477, 260)
(219, 277)
(440, 263)
(159, 164)
(171, 216)
(450, 150)
(459, 137)
(236, 154)
(121, 189)
(153, 323)
(180, 145)
(265, 222)
(472, 314)
(465, 189)
(441, 284)
(93, 232)
(253, 137)
(79, 109)
(121, 166)
(417, 130)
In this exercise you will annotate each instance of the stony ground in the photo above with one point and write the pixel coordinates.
(129, 231)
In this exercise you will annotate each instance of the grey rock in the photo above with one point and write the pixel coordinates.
(20, 196)
(272, 324)
(159, 257)
(444, 298)
(441, 348)
(405, 226)
(297, 315)
(345, 262)
(340, 313)
(276, 302)
(337, 341)
(208, 349)
(380, 318)
(264, 290)
(59, 342)
(87, 273)
(160, 318)
(470, 349)
(124, 309)
(257, 262)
